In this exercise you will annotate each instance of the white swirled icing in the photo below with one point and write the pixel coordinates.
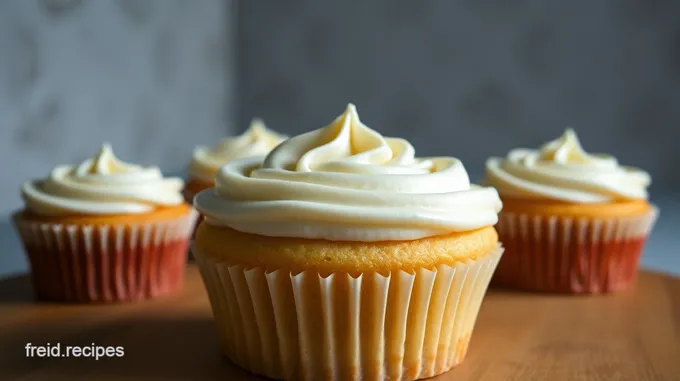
(347, 182)
(561, 170)
(102, 185)
(255, 141)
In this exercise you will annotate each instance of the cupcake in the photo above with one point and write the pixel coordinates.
(105, 231)
(255, 141)
(572, 222)
(340, 255)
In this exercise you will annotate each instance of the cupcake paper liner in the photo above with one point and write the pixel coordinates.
(571, 255)
(99, 263)
(369, 326)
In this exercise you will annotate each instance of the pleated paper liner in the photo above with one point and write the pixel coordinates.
(394, 326)
(571, 255)
(96, 264)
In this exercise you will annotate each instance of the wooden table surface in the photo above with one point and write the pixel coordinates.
(632, 336)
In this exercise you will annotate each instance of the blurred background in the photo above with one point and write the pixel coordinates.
(464, 78)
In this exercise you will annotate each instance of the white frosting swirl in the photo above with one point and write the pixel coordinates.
(255, 141)
(561, 170)
(102, 185)
(347, 182)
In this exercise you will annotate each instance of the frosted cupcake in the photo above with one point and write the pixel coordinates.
(572, 221)
(255, 141)
(340, 255)
(105, 231)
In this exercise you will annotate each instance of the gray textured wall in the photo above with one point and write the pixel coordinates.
(153, 77)
(473, 78)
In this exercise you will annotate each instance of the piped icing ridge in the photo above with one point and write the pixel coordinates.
(255, 141)
(562, 170)
(102, 185)
(346, 181)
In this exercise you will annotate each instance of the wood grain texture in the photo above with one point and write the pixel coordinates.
(632, 336)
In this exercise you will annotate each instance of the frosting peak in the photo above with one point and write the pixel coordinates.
(346, 181)
(105, 163)
(567, 149)
(562, 170)
(256, 140)
(347, 146)
(102, 185)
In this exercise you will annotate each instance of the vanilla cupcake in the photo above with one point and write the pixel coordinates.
(255, 141)
(105, 231)
(340, 255)
(572, 221)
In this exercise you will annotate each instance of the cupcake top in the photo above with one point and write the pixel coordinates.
(102, 185)
(562, 171)
(255, 141)
(347, 182)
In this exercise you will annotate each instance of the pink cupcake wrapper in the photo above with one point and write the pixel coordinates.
(74, 263)
(572, 255)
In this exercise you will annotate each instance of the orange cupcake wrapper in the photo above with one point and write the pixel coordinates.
(571, 255)
(368, 326)
(92, 264)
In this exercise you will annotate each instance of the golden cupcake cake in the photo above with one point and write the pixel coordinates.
(257, 140)
(105, 231)
(572, 222)
(341, 255)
